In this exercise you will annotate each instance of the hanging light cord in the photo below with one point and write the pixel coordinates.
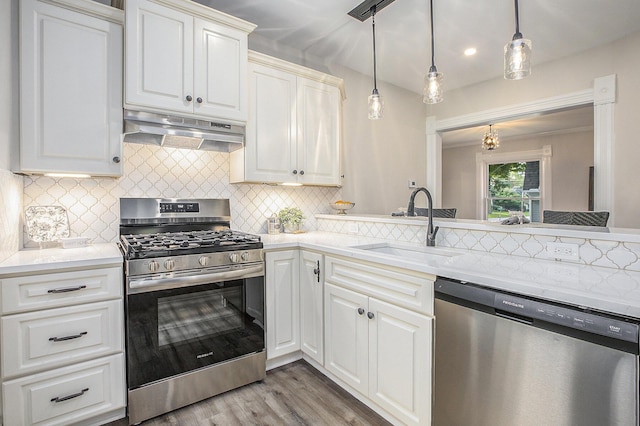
(433, 62)
(517, 35)
(373, 27)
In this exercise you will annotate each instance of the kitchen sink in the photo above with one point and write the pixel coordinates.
(408, 252)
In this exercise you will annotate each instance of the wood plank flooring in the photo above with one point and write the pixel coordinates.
(294, 394)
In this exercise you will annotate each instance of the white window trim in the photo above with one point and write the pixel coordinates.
(482, 175)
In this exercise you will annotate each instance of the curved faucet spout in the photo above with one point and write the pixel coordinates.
(431, 232)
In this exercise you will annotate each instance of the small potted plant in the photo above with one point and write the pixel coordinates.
(291, 218)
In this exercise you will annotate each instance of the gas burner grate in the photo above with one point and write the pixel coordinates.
(187, 242)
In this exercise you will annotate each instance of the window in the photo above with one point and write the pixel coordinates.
(514, 186)
(513, 181)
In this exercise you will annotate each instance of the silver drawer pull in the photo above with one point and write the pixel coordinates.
(67, 289)
(62, 339)
(68, 397)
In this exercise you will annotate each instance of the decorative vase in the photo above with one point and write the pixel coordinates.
(291, 228)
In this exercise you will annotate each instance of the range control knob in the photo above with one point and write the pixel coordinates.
(245, 256)
(153, 266)
(169, 264)
(203, 261)
(233, 257)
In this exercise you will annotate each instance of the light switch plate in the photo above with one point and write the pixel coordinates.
(411, 183)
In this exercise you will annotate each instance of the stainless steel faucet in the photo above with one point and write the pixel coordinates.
(431, 233)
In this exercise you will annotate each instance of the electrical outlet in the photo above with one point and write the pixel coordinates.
(564, 251)
(412, 183)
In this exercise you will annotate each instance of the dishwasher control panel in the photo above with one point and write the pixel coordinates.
(567, 317)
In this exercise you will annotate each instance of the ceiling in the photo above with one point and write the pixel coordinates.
(570, 120)
(322, 29)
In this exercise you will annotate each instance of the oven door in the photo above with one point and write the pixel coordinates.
(181, 329)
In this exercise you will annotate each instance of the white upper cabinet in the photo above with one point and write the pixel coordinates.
(70, 88)
(186, 59)
(294, 126)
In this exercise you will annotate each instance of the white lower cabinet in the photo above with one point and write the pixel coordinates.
(62, 346)
(311, 302)
(283, 308)
(66, 395)
(381, 350)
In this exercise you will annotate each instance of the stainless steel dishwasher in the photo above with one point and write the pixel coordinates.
(504, 359)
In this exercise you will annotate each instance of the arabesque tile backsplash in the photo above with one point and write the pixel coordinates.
(151, 171)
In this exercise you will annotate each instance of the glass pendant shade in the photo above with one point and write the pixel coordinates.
(432, 91)
(517, 59)
(490, 141)
(376, 105)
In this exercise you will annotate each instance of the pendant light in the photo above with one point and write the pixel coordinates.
(517, 54)
(490, 140)
(432, 92)
(376, 104)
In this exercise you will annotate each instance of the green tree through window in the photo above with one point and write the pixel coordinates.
(507, 190)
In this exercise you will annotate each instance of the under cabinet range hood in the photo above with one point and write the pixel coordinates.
(180, 132)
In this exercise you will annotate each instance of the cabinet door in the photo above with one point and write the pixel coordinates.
(220, 71)
(270, 153)
(318, 117)
(71, 92)
(400, 359)
(159, 57)
(346, 336)
(283, 298)
(311, 302)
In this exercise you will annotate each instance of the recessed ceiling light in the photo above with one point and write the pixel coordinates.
(470, 51)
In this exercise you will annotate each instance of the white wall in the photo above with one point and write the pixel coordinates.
(10, 184)
(572, 156)
(380, 156)
(568, 75)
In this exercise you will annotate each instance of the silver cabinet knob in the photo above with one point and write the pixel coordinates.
(189, 98)
(233, 257)
(295, 172)
(203, 261)
(199, 100)
(169, 264)
(116, 159)
(245, 256)
(301, 172)
(370, 315)
(360, 311)
(153, 266)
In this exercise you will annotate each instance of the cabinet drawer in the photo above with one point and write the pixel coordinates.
(38, 340)
(66, 395)
(401, 287)
(33, 292)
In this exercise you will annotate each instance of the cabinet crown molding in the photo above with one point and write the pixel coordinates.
(92, 8)
(196, 9)
(302, 71)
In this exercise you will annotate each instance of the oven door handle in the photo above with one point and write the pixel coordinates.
(149, 284)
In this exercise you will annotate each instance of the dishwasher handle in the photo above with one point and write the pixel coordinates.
(514, 317)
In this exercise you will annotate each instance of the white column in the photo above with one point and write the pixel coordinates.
(434, 162)
(604, 94)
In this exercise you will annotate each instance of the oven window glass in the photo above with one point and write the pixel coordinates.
(190, 316)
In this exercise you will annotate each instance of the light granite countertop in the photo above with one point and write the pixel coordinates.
(37, 260)
(602, 289)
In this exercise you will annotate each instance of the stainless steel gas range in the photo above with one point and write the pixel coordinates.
(194, 303)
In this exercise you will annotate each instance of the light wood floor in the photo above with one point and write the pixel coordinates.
(295, 394)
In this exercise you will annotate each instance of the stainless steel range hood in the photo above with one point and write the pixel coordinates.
(180, 132)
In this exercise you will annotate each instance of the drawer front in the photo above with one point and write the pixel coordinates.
(401, 287)
(33, 292)
(52, 338)
(66, 395)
